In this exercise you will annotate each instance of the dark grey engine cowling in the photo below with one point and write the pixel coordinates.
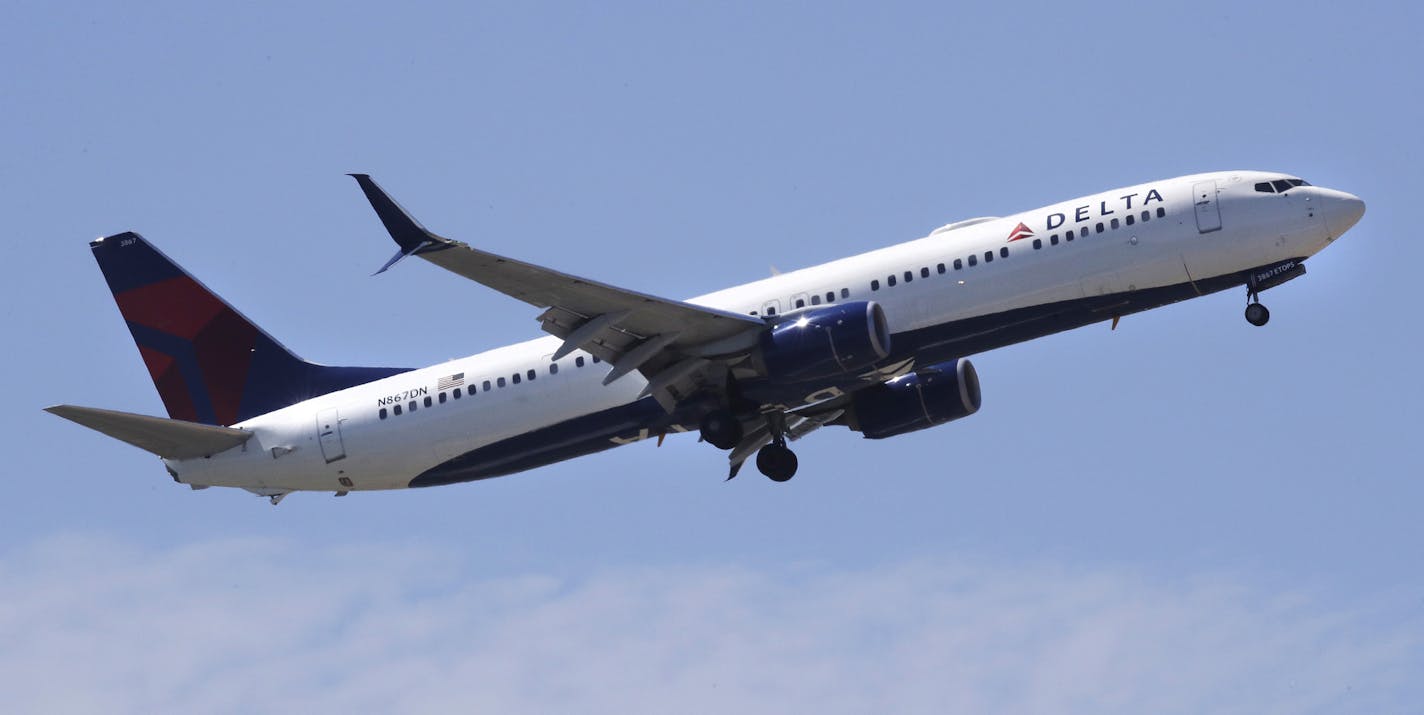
(824, 342)
(927, 397)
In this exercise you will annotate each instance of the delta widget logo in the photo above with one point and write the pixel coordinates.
(1020, 232)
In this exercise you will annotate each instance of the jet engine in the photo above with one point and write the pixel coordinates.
(824, 342)
(927, 397)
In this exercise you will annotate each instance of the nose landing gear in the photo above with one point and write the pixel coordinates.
(1270, 276)
(1257, 314)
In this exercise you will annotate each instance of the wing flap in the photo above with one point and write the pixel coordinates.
(168, 438)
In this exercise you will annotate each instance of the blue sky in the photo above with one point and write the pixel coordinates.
(1185, 514)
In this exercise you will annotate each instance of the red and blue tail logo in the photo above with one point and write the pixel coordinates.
(209, 363)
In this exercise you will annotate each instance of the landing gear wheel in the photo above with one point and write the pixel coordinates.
(777, 462)
(1257, 315)
(721, 429)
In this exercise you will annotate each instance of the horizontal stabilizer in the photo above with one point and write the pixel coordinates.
(170, 439)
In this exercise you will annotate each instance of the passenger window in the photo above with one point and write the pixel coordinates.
(442, 398)
(925, 272)
(909, 276)
(1130, 220)
(890, 281)
(578, 362)
(411, 406)
(831, 297)
(1083, 232)
(515, 378)
(396, 410)
(427, 400)
(1053, 240)
(1037, 243)
(457, 393)
(815, 300)
(1004, 252)
(1100, 227)
(939, 269)
(500, 382)
(487, 385)
(988, 256)
(553, 368)
(531, 374)
(1146, 215)
(845, 292)
(958, 265)
(875, 285)
(1115, 224)
(1161, 212)
(973, 260)
(383, 413)
(800, 302)
(1070, 235)
(596, 360)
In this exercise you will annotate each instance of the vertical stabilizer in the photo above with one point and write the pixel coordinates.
(209, 363)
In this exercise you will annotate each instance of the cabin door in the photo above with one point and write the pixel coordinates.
(328, 433)
(1208, 212)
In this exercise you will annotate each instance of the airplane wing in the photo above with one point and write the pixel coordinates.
(677, 346)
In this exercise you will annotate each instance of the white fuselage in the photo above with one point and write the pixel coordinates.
(340, 441)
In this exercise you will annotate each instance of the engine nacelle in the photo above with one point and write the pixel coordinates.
(824, 342)
(927, 397)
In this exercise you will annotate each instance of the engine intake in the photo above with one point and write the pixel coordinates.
(927, 397)
(824, 342)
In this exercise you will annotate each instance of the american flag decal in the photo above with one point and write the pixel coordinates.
(451, 382)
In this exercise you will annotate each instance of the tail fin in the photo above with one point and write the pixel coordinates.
(209, 363)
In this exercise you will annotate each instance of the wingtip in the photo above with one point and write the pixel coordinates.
(407, 232)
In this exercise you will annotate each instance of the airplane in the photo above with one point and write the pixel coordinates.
(878, 343)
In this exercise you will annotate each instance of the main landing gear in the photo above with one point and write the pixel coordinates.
(723, 430)
(1256, 314)
(776, 460)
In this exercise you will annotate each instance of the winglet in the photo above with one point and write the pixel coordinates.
(407, 232)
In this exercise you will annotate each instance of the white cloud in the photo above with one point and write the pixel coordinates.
(240, 626)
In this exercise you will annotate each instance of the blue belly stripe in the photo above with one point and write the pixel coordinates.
(962, 338)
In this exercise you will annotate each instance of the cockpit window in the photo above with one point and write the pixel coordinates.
(1280, 186)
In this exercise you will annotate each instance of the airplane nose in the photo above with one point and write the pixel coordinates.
(1342, 211)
